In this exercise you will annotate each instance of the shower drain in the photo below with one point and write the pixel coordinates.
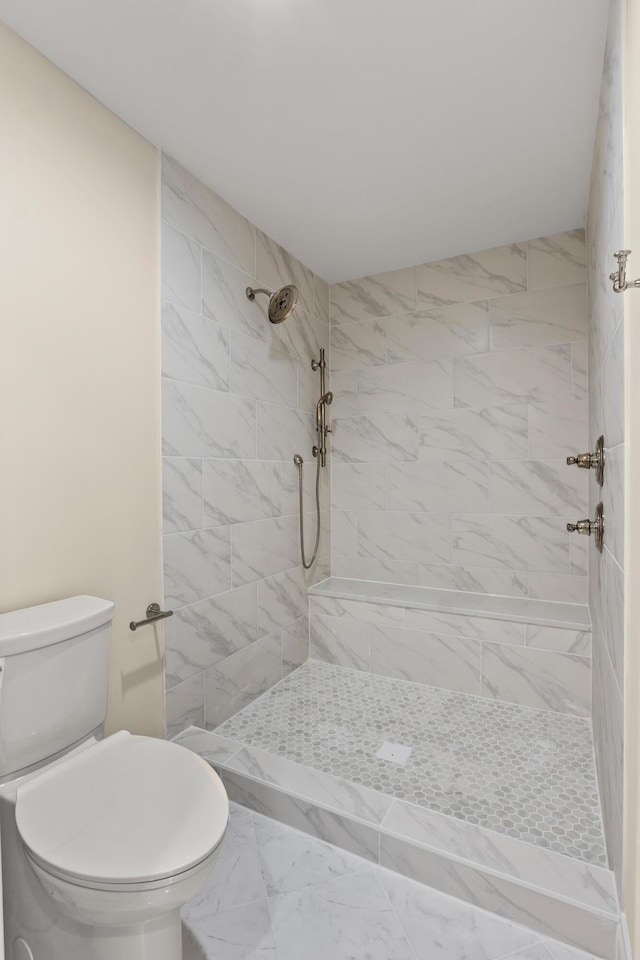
(394, 752)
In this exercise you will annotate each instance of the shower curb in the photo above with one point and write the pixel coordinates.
(569, 900)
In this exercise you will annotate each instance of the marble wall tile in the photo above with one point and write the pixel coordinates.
(322, 299)
(235, 682)
(409, 389)
(197, 422)
(295, 645)
(282, 599)
(209, 746)
(359, 486)
(258, 370)
(579, 554)
(490, 433)
(223, 362)
(276, 267)
(224, 298)
(532, 865)
(263, 547)
(522, 904)
(194, 349)
(344, 533)
(557, 429)
(461, 486)
(396, 535)
(613, 392)
(283, 431)
(437, 660)
(203, 215)
(579, 370)
(477, 276)
(505, 583)
(184, 705)
(612, 494)
(388, 571)
(181, 494)
(181, 269)
(613, 616)
(339, 640)
(554, 587)
(450, 331)
(382, 438)
(532, 375)
(291, 485)
(356, 610)
(196, 565)
(516, 543)
(475, 628)
(557, 260)
(325, 789)
(345, 394)
(355, 345)
(381, 295)
(537, 488)
(558, 639)
(540, 317)
(201, 634)
(240, 490)
(608, 726)
(302, 338)
(537, 678)
(344, 832)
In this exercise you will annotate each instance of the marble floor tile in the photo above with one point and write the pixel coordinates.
(320, 902)
(338, 919)
(240, 934)
(442, 928)
(237, 875)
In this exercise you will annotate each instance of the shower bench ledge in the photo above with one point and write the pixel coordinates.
(516, 609)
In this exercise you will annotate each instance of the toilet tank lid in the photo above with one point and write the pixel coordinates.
(48, 623)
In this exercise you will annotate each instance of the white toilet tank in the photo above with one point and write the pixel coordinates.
(54, 661)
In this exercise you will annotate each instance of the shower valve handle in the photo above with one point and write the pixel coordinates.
(580, 526)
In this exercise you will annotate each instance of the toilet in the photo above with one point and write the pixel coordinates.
(103, 839)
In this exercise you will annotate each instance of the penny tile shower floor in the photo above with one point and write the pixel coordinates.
(526, 773)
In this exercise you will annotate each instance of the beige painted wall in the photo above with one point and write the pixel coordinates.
(79, 365)
(632, 480)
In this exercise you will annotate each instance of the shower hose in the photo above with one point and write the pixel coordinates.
(299, 463)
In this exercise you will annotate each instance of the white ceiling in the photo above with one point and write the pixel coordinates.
(363, 135)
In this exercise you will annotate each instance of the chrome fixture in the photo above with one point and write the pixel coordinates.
(619, 277)
(593, 460)
(591, 526)
(153, 613)
(320, 453)
(281, 303)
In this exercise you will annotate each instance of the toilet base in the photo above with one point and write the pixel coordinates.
(159, 939)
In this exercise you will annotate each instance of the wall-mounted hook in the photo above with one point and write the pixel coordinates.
(620, 282)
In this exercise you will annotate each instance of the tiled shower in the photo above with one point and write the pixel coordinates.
(447, 612)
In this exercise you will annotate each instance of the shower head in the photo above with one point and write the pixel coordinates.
(281, 303)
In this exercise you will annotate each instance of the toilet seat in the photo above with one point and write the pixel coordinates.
(129, 810)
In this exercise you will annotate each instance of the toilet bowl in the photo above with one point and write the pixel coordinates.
(120, 836)
(103, 840)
